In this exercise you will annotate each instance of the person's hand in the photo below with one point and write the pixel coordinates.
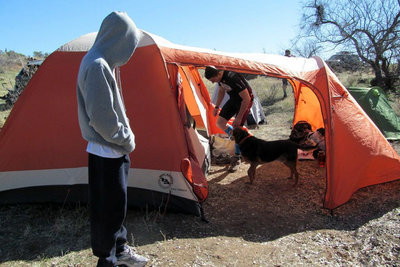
(236, 123)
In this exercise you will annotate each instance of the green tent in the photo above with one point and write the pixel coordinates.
(376, 105)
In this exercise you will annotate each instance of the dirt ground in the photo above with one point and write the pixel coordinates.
(272, 223)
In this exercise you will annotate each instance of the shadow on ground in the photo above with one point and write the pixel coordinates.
(269, 209)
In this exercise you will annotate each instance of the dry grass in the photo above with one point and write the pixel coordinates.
(357, 78)
(7, 81)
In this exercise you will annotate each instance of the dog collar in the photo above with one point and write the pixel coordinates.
(244, 139)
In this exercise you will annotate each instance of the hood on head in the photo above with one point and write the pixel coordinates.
(117, 38)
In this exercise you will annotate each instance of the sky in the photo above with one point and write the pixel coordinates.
(245, 26)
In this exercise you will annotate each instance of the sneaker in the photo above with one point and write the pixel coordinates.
(235, 162)
(130, 258)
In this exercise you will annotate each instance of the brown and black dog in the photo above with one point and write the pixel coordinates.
(257, 151)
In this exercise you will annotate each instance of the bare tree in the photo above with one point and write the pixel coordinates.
(371, 28)
(307, 48)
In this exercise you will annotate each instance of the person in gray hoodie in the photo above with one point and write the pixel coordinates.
(104, 124)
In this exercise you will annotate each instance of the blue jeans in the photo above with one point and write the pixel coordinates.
(108, 180)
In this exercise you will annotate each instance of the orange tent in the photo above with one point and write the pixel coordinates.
(41, 149)
(43, 156)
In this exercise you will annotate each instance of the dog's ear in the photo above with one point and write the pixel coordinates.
(239, 134)
(245, 132)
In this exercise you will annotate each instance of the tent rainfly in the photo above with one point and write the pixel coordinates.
(42, 154)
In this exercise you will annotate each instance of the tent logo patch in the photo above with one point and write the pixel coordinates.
(165, 180)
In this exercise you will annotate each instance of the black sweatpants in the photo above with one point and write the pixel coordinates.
(108, 178)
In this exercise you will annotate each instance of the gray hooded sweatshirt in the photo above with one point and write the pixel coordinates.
(101, 110)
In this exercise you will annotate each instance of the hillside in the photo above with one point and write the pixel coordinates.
(11, 64)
